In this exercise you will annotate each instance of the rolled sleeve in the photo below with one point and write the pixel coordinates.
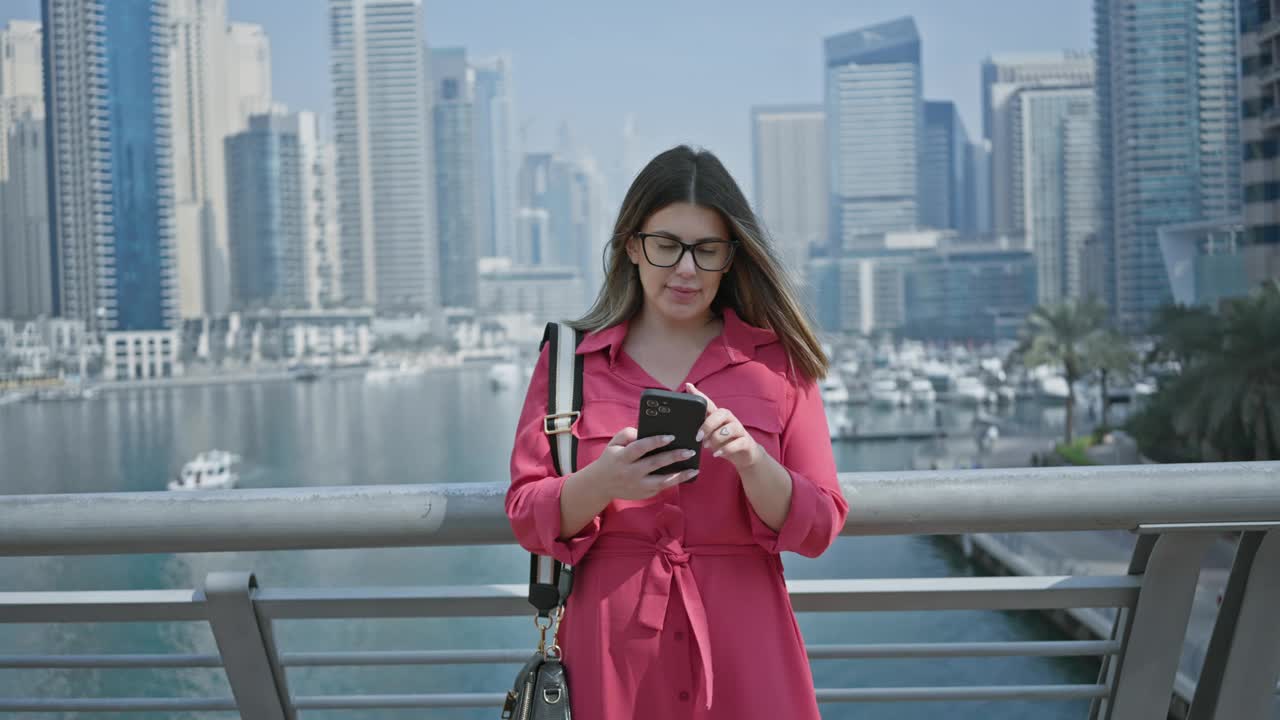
(818, 509)
(533, 499)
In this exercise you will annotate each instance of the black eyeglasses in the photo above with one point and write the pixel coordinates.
(665, 251)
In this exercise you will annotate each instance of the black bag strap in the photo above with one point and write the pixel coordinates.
(550, 580)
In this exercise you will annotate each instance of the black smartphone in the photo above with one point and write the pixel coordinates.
(663, 412)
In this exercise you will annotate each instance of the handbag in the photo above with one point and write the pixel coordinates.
(541, 688)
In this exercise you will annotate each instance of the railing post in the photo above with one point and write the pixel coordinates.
(1141, 677)
(1243, 661)
(247, 648)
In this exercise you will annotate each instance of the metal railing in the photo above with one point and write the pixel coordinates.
(1177, 511)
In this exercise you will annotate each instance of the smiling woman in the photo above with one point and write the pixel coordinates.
(670, 575)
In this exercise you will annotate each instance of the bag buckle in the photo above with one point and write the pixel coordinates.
(550, 423)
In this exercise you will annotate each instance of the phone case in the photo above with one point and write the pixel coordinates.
(668, 413)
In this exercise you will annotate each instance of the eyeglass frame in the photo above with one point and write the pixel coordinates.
(687, 248)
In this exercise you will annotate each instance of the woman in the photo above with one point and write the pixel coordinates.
(679, 609)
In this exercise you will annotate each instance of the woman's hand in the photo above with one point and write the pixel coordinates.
(621, 473)
(722, 432)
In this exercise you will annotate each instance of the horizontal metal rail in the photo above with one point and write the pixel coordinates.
(381, 658)
(116, 705)
(130, 660)
(825, 695)
(899, 503)
(908, 594)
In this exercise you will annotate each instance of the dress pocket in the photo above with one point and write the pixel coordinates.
(596, 426)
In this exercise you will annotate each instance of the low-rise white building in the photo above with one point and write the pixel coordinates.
(141, 355)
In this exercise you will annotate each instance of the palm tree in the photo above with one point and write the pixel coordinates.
(1113, 358)
(1226, 400)
(1059, 335)
(1184, 333)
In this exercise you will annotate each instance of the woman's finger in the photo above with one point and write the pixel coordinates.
(740, 444)
(711, 406)
(625, 436)
(680, 477)
(712, 424)
(726, 434)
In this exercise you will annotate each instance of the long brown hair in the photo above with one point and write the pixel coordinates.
(756, 286)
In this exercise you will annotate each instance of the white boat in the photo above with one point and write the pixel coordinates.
(885, 393)
(940, 374)
(1052, 388)
(833, 391)
(970, 390)
(212, 470)
(922, 392)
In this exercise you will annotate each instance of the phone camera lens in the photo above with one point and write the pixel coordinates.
(651, 403)
(651, 413)
(664, 409)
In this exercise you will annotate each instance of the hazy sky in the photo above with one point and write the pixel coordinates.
(689, 70)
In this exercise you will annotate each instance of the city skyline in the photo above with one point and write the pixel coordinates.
(687, 67)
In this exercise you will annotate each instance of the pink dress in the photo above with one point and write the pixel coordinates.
(679, 608)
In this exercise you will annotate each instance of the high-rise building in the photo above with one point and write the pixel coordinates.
(198, 82)
(945, 171)
(455, 175)
(568, 188)
(382, 121)
(1169, 124)
(978, 187)
(1260, 133)
(20, 76)
(267, 214)
(875, 130)
(543, 184)
(496, 157)
(533, 228)
(788, 144)
(110, 162)
(25, 271)
(588, 225)
(1002, 77)
(974, 292)
(247, 74)
(320, 214)
(1056, 129)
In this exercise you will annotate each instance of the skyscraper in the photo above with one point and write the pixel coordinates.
(382, 120)
(267, 214)
(455, 175)
(1056, 129)
(320, 214)
(1167, 97)
(496, 156)
(20, 76)
(561, 222)
(875, 130)
(1260, 132)
(946, 168)
(247, 74)
(111, 179)
(788, 144)
(25, 271)
(1002, 77)
(198, 80)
